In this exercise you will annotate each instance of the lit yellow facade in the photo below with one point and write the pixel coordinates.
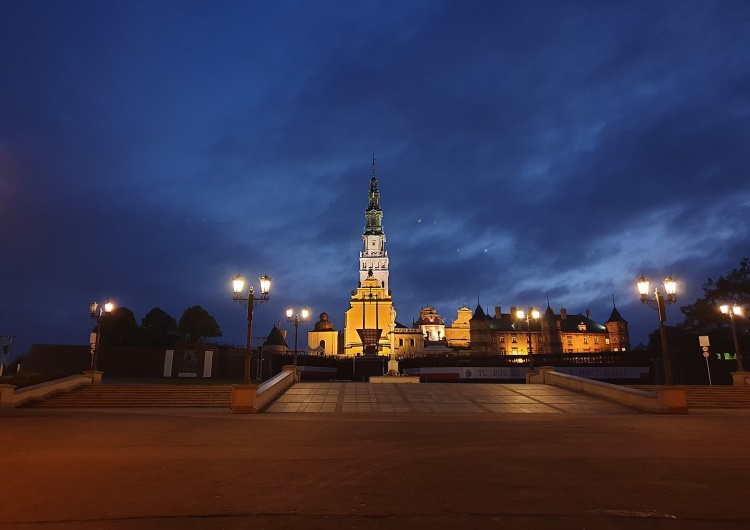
(324, 339)
(458, 335)
(370, 308)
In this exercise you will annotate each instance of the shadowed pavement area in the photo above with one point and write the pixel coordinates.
(201, 468)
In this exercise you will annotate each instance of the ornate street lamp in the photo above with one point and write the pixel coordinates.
(250, 302)
(98, 313)
(520, 315)
(658, 302)
(731, 312)
(291, 317)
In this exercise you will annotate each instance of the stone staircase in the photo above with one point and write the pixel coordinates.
(122, 396)
(712, 397)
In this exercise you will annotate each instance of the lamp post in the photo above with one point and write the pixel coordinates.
(521, 315)
(98, 313)
(731, 312)
(6, 341)
(658, 302)
(291, 317)
(250, 302)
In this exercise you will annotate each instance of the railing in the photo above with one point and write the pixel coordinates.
(12, 397)
(565, 359)
(253, 399)
(659, 400)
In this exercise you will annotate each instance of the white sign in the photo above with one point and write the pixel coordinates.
(208, 363)
(168, 355)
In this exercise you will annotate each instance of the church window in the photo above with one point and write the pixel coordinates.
(596, 340)
(585, 340)
(502, 338)
(412, 342)
(514, 351)
(570, 340)
(513, 339)
(400, 342)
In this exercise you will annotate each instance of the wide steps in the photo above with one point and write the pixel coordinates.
(128, 396)
(711, 397)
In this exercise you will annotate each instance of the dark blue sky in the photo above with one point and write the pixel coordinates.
(151, 150)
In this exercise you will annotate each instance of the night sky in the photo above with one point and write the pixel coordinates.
(151, 150)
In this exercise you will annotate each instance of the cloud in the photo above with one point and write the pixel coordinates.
(152, 151)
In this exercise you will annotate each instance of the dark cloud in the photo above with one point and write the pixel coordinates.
(149, 152)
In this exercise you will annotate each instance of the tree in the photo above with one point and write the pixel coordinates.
(119, 328)
(734, 287)
(197, 324)
(159, 328)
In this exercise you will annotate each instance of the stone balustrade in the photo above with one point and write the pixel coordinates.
(251, 399)
(662, 401)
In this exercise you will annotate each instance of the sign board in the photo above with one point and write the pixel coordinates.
(705, 348)
(703, 340)
(706, 354)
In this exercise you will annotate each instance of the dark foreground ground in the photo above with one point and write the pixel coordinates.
(187, 469)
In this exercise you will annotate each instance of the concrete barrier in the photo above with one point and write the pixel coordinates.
(663, 401)
(251, 399)
(10, 396)
(741, 378)
(394, 379)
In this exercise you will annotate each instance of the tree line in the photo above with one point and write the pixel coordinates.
(158, 328)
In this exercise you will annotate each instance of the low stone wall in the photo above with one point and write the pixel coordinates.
(12, 397)
(251, 399)
(394, 379)
(666, 401)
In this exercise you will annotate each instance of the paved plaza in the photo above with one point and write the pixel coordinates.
(439, 398)
(469, 465)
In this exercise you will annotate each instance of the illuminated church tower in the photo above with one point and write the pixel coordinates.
(370, 320)
(374, 256)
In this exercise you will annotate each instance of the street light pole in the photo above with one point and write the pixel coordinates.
(659, 303)
(251, 302)
(98, 313)
(731, 312)
(302, 315)
(533, 313)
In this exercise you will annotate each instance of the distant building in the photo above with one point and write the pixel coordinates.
(324, 339)
(370, 326)
(504, 334)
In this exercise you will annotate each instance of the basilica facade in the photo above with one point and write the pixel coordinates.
(370, 327)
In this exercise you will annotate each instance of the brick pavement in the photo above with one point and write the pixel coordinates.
(439, 398)
(582, 466)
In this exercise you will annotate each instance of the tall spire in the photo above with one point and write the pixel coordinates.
(374, 214)
(374, 257)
